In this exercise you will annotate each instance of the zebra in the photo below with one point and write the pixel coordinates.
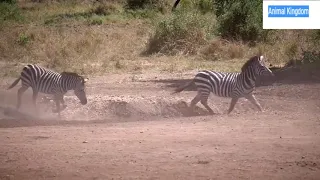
(47, 81)
(231, 85)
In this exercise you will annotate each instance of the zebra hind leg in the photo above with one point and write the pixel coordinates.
(204, 102)
(57, 101)
(64, 106)
(232, 104)
(194, 101)
(19, 95)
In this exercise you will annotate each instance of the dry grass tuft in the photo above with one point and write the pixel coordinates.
(104, 9)
(219, 49)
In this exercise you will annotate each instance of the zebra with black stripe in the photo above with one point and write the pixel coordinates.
(49, 82)
(232, 85)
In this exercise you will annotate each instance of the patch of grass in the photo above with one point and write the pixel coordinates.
(68, 16)
(93, 15)
(104, 9)
(140, 13)
(95, 20)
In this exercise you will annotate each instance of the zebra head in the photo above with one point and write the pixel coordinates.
(79, 90)
(258, 66)
(77, 83)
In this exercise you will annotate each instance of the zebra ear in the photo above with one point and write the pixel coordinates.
(261, 58)
(85, 80)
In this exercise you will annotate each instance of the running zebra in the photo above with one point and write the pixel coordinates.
(233, 85)
(50, 82)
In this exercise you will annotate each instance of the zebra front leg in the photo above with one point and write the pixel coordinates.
(19, 95)
(64, 106)
(34, 100)
(232, 104)
(254, 101)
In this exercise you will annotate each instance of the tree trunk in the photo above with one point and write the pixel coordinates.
(175, 5)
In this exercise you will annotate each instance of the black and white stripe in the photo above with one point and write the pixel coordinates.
(233, 85)
(49, 82)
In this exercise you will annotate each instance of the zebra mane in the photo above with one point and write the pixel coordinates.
(83, 80)
(249, 62)
(71, 74)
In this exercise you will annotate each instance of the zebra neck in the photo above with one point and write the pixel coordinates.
(248, 78)
(67, 84)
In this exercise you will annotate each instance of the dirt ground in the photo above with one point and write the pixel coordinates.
(132, 128)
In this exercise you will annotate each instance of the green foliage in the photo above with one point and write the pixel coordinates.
(148, 4)
(96, 20)
(8, 1)
(24, 39)
(202, 5)
(9, 11)
(182, 31)
(240, 19)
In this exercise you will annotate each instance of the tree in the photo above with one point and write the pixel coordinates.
(175, 5)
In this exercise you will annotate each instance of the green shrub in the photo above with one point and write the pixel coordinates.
(240, 19)
(205, 6)
(9, 11)
(8, 1)
(182, 31)
(162, 5)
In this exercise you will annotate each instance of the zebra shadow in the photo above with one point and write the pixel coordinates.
(182, 109)
(176, 83)
(283, 75)
(10, 118)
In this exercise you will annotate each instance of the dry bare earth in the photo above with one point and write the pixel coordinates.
(132, 128)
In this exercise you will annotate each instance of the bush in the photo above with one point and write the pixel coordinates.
(205, 5)
(104, 9)
(183, 31)
(240, 19)
(151, 4)
(202, 5)
(9, 11)
(8, 1)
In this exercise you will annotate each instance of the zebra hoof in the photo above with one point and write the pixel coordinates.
(211, 113)
(55, 111)
(63, 107)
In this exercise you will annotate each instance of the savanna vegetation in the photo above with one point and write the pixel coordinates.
(103, 36)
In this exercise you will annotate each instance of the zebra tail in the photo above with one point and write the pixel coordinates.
(14, 83)
(183, 87)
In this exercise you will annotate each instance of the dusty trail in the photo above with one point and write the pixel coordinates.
(133, 128)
